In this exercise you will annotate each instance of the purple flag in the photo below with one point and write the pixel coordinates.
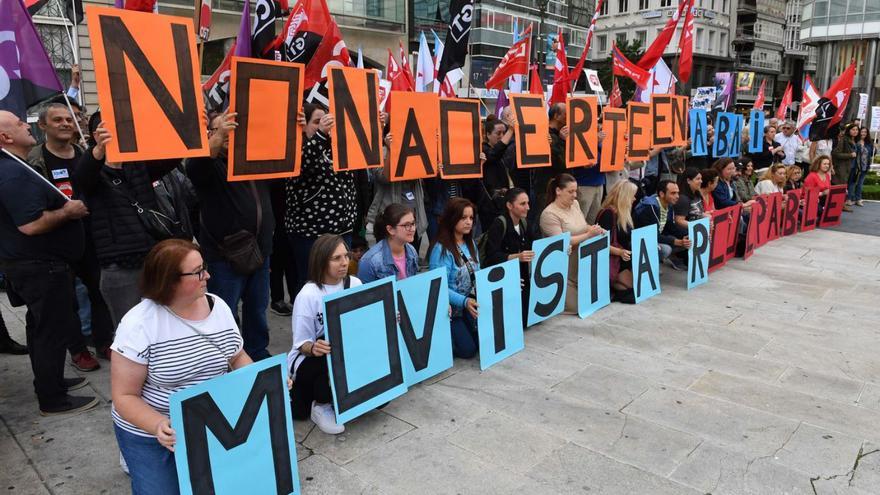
(27, 76)
(243, 42)
(501, 102)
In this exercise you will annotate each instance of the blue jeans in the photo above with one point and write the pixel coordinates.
(465, 342)
(150, 465)
(856, 181)
(253, 292)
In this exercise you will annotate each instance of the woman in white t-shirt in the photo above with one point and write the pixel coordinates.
(773, 180)
(176, 337)
(328, 274)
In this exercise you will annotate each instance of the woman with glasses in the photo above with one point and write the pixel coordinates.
(393, 254)
(328, 274)
(176, 337)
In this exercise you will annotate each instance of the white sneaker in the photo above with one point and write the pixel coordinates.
(324, 417)
(122, 464)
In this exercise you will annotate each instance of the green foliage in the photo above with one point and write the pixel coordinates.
(633, 51)
(873, 179)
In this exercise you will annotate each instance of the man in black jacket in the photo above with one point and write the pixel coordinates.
(657, 210)
(41, 235)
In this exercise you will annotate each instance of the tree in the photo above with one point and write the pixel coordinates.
(633, 51)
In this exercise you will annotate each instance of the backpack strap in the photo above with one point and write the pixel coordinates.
(346, 282)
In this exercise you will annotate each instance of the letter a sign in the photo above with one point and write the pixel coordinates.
(147, 74)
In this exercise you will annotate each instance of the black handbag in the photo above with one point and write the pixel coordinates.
(160, 225)
(241, 249)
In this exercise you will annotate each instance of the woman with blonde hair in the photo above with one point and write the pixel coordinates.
(616, 218)
(773, 180)
(794, 176)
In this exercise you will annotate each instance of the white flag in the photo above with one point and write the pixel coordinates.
(360, 64)
(424, 65)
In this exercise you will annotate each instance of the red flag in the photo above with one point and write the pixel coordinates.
(397, 75)
(515, 61)
(311, 36)
(786, 101)
(623, 67)
(655, 51)
(759, 101)
(839, 92)
(614, 99)
(686, 45)
(576, 73)
(216, 88)
(140, 5)
(561, 84)
(535, 86)
(405, 68)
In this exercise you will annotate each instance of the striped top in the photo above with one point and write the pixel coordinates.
(175, 355)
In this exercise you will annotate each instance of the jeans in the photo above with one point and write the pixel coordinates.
(150, 465)
(121, 290)
(465, 342)
(83, 308)
(312, 383)
(854, 187)
(253, 292)
(46, 287)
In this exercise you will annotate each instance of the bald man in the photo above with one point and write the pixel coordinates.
(41, 235)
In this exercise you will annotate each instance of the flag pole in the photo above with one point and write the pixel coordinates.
(31, 170)
(82, 137)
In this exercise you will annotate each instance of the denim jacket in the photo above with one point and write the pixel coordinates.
(458, 277)
(377, 263)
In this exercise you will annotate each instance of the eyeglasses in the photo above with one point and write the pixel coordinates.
(407, 226)
(200, 273)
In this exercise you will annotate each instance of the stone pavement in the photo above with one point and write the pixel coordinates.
(764, 381)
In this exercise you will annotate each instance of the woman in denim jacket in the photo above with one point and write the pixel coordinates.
(456, 251)
(393, 254)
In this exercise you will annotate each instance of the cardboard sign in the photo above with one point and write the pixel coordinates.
(725, 134)
(258, 453)
(646, 263)
(356, 138)
(756, 131)
(810, 218)
(499, 321)
(699, 132)
(760, 217)
(698, 253)
(423, 329)
(669, 114)
(594, 283)
(267, 144)
(638, 116)
(613, 155)
(788, 224)
(736, 142)
(549, 277)
(149, 90)
(834, 201)
(531, 129)
(753, 229)
(723, 223)
(733, 231)
(460, 139)
(364, 361)
(774, 214)
(582, 146)
(414, 124)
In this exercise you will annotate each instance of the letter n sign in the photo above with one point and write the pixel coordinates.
(235, 433)
(147, 74)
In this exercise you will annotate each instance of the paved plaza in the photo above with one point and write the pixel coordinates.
(764, 381)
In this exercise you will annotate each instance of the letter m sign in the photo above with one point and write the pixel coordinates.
(235, 433)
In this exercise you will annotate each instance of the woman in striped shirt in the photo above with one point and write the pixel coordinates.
(176, 337)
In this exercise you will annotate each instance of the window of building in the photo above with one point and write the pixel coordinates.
(724, 6)
(644, 4)
(712, 4)
(620, 38)
(699, 39)
(604, 9)
(722, 44)
(821, 8)
(622, 5)
(665, 3)
(601, 44)
(711, 42)
(642, 37)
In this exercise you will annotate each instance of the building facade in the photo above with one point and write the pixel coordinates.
(841, 31)
(760, 44)
(714, 27)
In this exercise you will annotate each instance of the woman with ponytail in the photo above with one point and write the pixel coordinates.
(393, 253)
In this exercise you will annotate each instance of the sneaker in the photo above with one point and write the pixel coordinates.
(9, 346)
(75, 383)
(860, 203)
(282, 308)
(847, 208)
(849, 202)
(676, 264)
(71, 404)
(324, 417)
(84, 361)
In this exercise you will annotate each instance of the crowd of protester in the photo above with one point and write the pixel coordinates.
(178, 266)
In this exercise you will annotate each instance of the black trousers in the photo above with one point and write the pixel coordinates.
(281, 267)
(312, 384)
(46, 287)
(89, 272)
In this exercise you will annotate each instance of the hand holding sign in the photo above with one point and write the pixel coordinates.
(165, 434)
(326, 123)
(102, 136)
